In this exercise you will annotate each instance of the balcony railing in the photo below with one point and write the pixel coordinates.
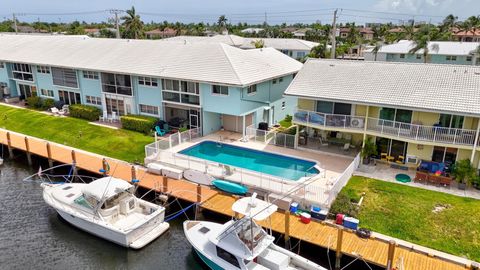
(340, 121)
(422, 133)
(455, 136)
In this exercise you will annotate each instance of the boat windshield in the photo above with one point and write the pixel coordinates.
(83, 202)
(251, 234)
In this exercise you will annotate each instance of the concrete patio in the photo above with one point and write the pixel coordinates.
(385, 173)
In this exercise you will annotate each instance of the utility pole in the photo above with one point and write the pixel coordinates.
(117, 27)
(265, 18)
(334, 33)
(15, 23)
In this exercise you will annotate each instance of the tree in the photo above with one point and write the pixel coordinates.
(76, 28)
(421, 41)
(222, 22)
(376, 49)
(259, 43)
(408, 32)
(133, 25)
(320, 51)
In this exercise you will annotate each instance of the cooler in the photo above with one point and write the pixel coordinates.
(339, 219)
(305, 218)
(294, 207)
(351, 223)
(315, 212)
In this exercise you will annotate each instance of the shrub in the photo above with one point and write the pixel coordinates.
(34, 102)
(87, 112)
(343, 205)
(48, 103)
(138, 123)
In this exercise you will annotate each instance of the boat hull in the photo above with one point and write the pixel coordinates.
(230, 187)
(207, 261)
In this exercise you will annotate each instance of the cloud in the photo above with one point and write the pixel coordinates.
(418, 6)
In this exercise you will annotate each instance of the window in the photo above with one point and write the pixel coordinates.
(451, 121)
(92, 75)
(444, 154)
(252, 89)
(189, 87)
(391, 114)
(148, 81)
(274, 81)
(2, 64)
(469, 59)
(46, 92)
(22, 72)
(402, 56)
(301, 54)
(69, 97)
(172, 85)
(419, 56)
(227, 256)
(181, 91)
(283, 105)
(451, 58)
(280, 79)
(117, 84)
(43, 69)
(93, 100)
(334, 107)
(149, 109)
(64, 77)
(220, 90)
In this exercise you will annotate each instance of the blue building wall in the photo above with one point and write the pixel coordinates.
(44, 81)
(89, 87)
(434, 58)
(212, 122)
(148, 95)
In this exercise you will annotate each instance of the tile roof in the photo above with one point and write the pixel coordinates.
(432, 87)
(246, 43)
(202, 62)
(444, 47)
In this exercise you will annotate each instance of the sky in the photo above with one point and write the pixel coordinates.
(250, 11)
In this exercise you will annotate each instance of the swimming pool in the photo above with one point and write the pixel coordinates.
(277, 165)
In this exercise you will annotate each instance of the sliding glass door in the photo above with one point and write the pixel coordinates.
(27, 91)
(69, 97)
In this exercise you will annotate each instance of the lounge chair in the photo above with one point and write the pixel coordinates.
(55, 111)
(160, 132)
(104, 116)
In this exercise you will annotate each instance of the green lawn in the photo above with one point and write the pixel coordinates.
(406, 213)
(121, 144)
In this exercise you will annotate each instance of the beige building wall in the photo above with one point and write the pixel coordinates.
(425, 118)
(470, 123)
(420, 151)
(306, 104)
(360, 110)
(373, 112)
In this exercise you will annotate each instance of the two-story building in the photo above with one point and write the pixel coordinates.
(412, 111)
(211, 86)
(440, 52)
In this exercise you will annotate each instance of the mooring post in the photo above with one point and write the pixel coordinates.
(9, 146)
(338, 253)
(134, 173)
(104, 167)
(237, 215)
(165, 184)
(29, 155)
(74, 163)
(391, 254)
(199, 200)
(49, 155)
(287, 229)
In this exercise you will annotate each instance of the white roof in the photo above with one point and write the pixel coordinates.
(444, 47)
(246, 43)
(254, 208)
(432, 87)
(202, 62)
(105, 188)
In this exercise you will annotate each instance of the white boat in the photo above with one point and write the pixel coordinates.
(242, 244)
(107, 208)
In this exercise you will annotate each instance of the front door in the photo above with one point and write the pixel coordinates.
(27, 91)
(194, 119)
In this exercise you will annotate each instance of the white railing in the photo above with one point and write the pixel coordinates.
(272, 137)
(338, 121)
(164, 143)
(342, 180)
(421, 132)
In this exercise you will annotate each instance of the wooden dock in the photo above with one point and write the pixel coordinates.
(374, 250)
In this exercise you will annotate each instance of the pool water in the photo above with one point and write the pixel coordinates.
(277, 165)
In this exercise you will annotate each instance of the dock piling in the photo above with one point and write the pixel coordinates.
(27, 149)
(49, 155)
(199, 200)
(104, 167)
(74, 162)
(9, 145)
(287, 229)
(391, 254)
(165, 184)
(134, 173)
(338, 251)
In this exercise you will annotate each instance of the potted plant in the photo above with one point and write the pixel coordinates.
(369, 149)
(464, 173)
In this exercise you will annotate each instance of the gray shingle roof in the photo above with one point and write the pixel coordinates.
(203, 62)
(431, 87)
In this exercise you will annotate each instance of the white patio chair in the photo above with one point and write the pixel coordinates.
(66, 108)
(346, 147)
(104, 116)
(114, 117)
(54, 111)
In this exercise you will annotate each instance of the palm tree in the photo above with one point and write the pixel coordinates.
(421, 41)
(320, 51)
(408, 31)
(376, 49)
(259, 43)
(133, 24)
(470, 25)
(222, 22)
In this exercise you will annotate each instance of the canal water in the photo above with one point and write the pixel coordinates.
(32, 236)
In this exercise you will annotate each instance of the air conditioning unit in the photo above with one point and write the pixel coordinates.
(411, 159)
(356, 123)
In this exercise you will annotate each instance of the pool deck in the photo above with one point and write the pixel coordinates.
(373, 250)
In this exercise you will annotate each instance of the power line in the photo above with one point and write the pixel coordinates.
(66, 14)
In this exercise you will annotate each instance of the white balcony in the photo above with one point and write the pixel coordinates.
(336, 121)
(455, 136)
